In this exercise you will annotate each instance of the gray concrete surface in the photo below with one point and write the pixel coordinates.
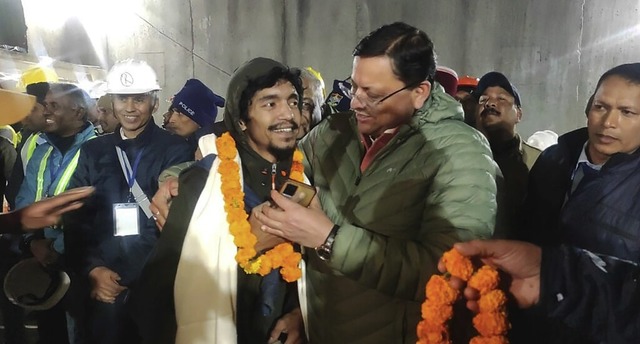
(553, 51)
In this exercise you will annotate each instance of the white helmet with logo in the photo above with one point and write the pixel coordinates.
(131, 77)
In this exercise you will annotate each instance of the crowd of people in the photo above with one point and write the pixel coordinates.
(180, 233)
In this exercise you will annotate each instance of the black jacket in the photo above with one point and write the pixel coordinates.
(90, 230)
(596, 295)
(603, 216)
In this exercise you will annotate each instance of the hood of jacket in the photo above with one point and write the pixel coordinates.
(249, 71)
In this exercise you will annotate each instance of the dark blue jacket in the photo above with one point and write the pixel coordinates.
(90, 230)
(603, 216)
(597, 296)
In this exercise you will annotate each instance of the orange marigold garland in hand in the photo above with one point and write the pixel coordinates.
(282, 256)
(437, 309)
(491, 323)
(457, 264)
(484, 280)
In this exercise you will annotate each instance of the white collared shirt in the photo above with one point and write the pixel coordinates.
(577, 174)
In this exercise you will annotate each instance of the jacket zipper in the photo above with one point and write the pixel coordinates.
(273, 176)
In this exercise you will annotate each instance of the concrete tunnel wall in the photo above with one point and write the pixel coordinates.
(553, 51)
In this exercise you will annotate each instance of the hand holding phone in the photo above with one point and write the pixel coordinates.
(298, 192)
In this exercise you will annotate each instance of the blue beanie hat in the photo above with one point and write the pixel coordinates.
(198, 102)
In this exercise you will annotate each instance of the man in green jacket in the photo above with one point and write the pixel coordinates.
(400, 179)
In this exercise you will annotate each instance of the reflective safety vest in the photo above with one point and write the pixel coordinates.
(64, 179)
(27, 152)
(29, 147)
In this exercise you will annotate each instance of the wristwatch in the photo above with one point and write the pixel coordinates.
(324, 250)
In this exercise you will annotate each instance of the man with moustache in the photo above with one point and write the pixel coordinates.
(499, 110)
(192, 288)
(399, 179)
(110, 238)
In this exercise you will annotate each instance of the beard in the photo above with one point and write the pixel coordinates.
(282, 153)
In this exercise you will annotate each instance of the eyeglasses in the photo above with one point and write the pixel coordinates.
(368, 101)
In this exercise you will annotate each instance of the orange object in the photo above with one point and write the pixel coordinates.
(468, 81)
(14, 106)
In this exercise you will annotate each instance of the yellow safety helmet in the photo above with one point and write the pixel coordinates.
(37, 74)
(318, 76)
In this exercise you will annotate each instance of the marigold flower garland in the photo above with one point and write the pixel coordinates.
(282, 256)
(491, 322)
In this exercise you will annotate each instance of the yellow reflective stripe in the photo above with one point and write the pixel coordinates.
(66, 176)
(32, 144)
(43, 167)
(27, 150)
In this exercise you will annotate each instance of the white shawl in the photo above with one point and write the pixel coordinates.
(205, 288)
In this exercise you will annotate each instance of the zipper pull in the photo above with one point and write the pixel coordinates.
(273, 176)
(358, 180)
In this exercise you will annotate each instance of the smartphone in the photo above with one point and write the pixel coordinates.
(299, 192)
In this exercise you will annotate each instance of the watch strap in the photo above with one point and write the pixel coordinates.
(324, 250)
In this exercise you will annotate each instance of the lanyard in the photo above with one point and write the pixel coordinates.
(130, 173)
(135, 190)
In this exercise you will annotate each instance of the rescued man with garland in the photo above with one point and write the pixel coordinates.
(205, 282)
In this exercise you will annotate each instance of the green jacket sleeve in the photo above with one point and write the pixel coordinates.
(174, 171)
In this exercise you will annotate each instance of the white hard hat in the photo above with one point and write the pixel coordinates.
(131, 77)
(30, 286)
(543, 139)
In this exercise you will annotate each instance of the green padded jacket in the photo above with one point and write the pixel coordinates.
(432, 185)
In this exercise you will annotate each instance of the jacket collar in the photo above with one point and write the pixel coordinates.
(80, 137)
(512, 145)
(438, 107)
(142, 139)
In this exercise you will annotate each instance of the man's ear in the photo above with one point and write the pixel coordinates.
(518, 114)
(420, 94)
(242, 125)
(81, 113)
(156, 106)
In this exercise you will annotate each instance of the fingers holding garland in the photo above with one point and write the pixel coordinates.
(442, 291)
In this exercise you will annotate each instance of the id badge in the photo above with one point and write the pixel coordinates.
(125, 219)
